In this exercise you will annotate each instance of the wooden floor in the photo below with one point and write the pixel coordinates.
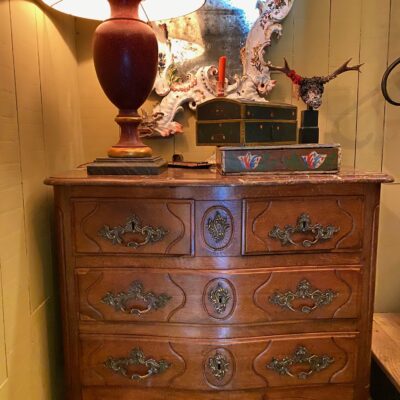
(386, 349)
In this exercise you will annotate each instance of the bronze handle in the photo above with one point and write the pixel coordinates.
(218, 137)
(303, 226)
(133, 225)
(301, 356)
(136, 357)
(136, 292)
(304, 291)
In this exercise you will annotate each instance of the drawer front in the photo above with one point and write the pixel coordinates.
(218, 133)
(145, 226)
(217, 110)
(208, 297)
(327, 392)
(274, 113)
(218, 364)
(270, 132)
(301, 224)
(120, 295)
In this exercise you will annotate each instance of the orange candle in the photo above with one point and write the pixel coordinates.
(221, 76)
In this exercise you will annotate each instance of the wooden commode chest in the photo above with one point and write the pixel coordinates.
(193, 286)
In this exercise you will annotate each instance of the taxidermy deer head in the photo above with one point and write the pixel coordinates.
(312, 89)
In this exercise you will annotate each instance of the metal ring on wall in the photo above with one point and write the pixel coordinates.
(384, 82)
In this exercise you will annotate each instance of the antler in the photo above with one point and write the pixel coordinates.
(344, 68)
(295, 78)
(286, 69)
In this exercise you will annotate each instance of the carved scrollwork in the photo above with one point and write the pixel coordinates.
(136, 357)
(219, 298)
(218, 366)
(303, 226)
(133, 225)
(218, 227)
(136, 292)
(304, 291)
(301, 357)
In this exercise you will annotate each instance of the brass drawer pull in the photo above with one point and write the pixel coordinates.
(303, 291)
(301, 356)
(218, 366)
(136, 292)
(303, 226)
(136, 357)
(219, 298)
(218, 137)
(133, 225)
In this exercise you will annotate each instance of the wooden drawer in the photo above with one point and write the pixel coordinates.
(304, 224)
(271, 113)
(331, 392)
(270, 132)
(218, 133)
(218, 364)
(137, 226)
(205, 297)
(328, 392)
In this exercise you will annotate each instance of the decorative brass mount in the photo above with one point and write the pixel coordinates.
(304, 291)
(133, 225)
(303, 226)
(136, 292)
(218, 365)
(136, 357)
(219, 297)
(217, 227)
(300, 357)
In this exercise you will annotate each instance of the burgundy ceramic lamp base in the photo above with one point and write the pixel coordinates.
(125, 54)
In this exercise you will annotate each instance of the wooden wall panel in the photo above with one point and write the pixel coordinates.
(342, 93)
(375, 18)
(14, 271)
(32, 147)
(40, 133)
(391, 163)
(3, 355)
(280, 49)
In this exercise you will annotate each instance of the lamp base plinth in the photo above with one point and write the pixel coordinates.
(130, 152)
(127, 166)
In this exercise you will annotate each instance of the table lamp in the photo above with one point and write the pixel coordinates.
(125, 54)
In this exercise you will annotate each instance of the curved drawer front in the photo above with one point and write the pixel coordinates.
(128, 296)
(154, 227)
(299, 225)
(329, 392)
(207, 297)
(218, 364)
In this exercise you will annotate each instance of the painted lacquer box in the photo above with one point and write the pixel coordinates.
(305, 158)
(231, 122)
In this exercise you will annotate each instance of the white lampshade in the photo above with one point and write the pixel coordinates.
(152, 9)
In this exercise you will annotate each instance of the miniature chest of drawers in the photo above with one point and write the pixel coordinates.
(190, 285)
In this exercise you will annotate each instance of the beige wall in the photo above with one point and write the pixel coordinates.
(319, 35)
(39, 134)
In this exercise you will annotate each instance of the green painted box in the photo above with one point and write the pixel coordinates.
(304, 158)
(231, 122)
